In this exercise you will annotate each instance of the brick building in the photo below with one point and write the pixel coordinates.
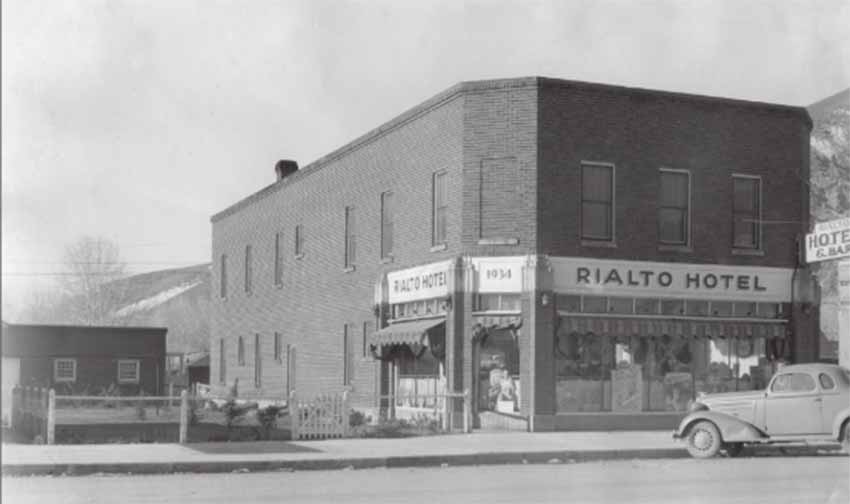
(577, 255)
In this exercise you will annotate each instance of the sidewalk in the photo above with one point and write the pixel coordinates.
(452, 450)
(457, 449)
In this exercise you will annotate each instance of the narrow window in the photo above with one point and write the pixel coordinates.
(278, 259)
(350, 237)
(277, 347)
(128, 371)
(65, 370)
(746, 212)
(347, 354)
(222, 376)
(290, 369)
(258, 362)
(299, 240)
(386, 224)
(240, 352)
(440, 204)
(223, 275)
(367, 330)
(249, 270)
(673, 207)
(597, 202)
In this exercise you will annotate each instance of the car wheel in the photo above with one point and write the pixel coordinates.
(704, 440)
(733, 449)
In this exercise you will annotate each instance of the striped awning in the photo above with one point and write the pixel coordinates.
(415, 332)
(627, 327)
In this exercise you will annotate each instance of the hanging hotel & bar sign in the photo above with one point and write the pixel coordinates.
(830, 240)
(578, 275)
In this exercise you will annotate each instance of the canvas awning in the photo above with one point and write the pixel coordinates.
(415, 332)
(627, 327)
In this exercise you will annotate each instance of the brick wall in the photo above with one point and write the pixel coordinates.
(318, 297)
(641, 132)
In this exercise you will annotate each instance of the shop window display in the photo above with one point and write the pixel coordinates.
(498, 372)
(601, 373)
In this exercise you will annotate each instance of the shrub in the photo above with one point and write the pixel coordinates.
(357, 418)
(233, 413)
(267, 417)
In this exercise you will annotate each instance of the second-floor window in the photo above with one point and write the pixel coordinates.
(299, 240)
(597, 201)
(674, 190)
(249, 270)
(746, 212)
(440, 205)
(278, 259)
(350, 237)
(223, 275)
(386, 224)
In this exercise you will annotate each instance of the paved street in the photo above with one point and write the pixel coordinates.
(774, 480)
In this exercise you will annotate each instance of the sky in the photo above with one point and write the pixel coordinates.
(137, 120)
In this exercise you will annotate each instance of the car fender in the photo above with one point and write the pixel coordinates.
(732, 429)
(840, 418)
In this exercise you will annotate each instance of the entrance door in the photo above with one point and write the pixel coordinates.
(793, 406)
(11, 377)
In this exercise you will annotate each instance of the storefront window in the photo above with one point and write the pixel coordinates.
(583, 367)
(696, 308)
(768, 310)
(570, 304)
(419, 379)
(620, 305)
(498, 372)
(745, 309)
(646, 306)
(672, 307)
(721, 308)
(595, 304)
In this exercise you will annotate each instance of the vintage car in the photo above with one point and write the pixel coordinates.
(803, 403)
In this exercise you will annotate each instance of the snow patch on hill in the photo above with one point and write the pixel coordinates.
(155, 300)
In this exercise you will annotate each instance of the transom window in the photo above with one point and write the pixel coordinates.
(128, 371)
(597, 201)
(497, 302)
(574, 303)
(674, 207)
(421, 308)
(65, 370)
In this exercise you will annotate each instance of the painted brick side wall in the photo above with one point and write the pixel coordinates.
(318, 297)
(641, 133)
(500, 151)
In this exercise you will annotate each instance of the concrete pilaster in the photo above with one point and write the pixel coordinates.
(537, 370)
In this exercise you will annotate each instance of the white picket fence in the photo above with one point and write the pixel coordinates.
(322, 417)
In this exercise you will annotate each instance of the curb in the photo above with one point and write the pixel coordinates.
(495, 458)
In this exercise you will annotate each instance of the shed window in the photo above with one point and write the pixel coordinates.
(128, 371)
(65, 370)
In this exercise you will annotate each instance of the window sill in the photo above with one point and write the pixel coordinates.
(387, 260)
(440, 247)
(685, 249)
(748, 252)
(299, 256)
(128, 382)
(498, 241)
(348, 269)
(598, 243)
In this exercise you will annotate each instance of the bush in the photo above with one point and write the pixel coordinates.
(233, 413)
(357, 418)
(267, 417)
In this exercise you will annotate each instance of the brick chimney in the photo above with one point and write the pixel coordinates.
(285, 168)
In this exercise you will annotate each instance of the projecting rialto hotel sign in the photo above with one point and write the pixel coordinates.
(654, 279)
(424, 282)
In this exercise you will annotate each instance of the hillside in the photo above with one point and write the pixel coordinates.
(830, 194)
(178, 299)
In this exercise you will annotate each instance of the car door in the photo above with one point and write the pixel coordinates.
(834, 401)
(793, 405)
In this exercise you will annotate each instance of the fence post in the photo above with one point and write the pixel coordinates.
(184, 416)
(445, 422)
(294, 415)
(51, 417)
(466, 410)
(346, 413)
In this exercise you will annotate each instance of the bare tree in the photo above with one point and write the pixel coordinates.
(89, 285)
